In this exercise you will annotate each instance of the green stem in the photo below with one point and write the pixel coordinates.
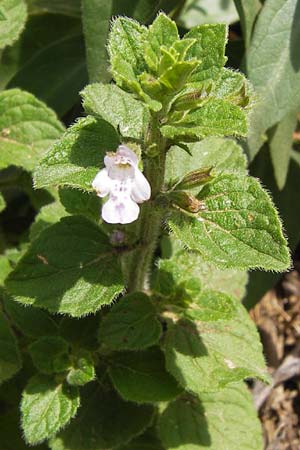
(151, 218)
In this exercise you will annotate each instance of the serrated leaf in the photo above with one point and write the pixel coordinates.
(223, 155)
(103, 421)
(209, 49)
(83, 370)
(10, 360)
(76, 158)
(224, 420)
(30, 321)
(131, 324)
(281, 141)
(14, 13)
(217, 117)
(240, 227)
(274, 46)
(79, 279)
(27, 129)
(206, 356)
(141, 376)
(50, 354)
(117, 107)
(46, 407)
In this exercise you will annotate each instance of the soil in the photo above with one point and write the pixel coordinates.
(277, 316)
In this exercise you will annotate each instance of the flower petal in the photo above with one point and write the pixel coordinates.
(122, 211)
(102, 183)
(127, 153)
(141, 190)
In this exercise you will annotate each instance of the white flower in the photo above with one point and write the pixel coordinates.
(124, 183)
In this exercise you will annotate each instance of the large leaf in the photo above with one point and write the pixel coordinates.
(273, 65)
(76, 158)
(141, 376)
(10, 361)
(48, 61)
(247, 12)
(223, 155)
(224, 420)
(46, 407)
(238, 228)
(120, 109)
(281, 140)
(206, 356)
(79, 279)
(103, 421)
(131, 324)
(14, 14)
(27, 129)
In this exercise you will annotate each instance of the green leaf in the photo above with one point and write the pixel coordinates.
(27, 129)
(78, 280)
(141, 376)
(14, 13)
(30, 321)
(239, 228)
(80, 202)
(2, 203)
(215, 118)
(47, 216)
(50, 354)
(248, 12)
(274, 46)
(186, 265)
(223, 155)
(281, 141)
(223, 420)
(120, 109)
(96, 18)
(131, 324)
(76, 158)
(50, 52)
(103, 421)
(83, 370)
(198, 12)
(46, 407)
(206, 356)
(147, 441)
(10, 361)
(209, 49)
(67, 7)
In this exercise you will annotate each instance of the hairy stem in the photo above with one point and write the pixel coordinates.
(151, 217)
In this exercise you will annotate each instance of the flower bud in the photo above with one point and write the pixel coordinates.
(195, 178)
(186, 201)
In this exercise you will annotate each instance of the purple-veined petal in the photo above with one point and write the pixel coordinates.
(122, 211)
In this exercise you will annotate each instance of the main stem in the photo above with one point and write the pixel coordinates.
(151, 216)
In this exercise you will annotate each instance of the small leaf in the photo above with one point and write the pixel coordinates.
(131, 324)
(209, 50)
(103, 421)
(46, 407)
(50, 354)
(141, 376)
(27, 129)
(83, 370)
(215, 118)
(223, 420)
(79, 202)
(76, 158)
(240, 227)
(78, 280)
(14, 14)
(206, 356)
(120, 109)
(47, 216)
(10, 360)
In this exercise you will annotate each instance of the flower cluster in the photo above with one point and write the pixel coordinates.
(125, 184)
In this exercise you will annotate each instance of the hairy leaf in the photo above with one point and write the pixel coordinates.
(50, 354)
(131, 324)
(141, 376)
(14, 14)
(239, 228)
(83, 370)
(79, 279)
(223, 420)
(77, 157)
(27, 129)
(46, 407)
